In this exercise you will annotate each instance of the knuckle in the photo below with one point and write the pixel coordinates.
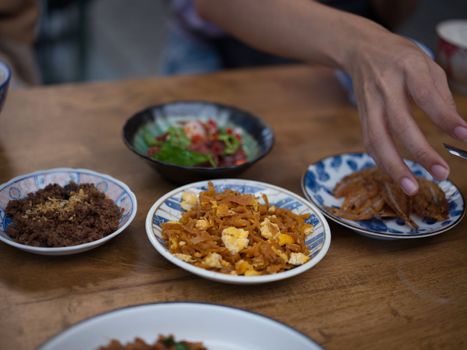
(423, 94)
(421, 154)
(440, 71)
(437, 69)
(409, 59)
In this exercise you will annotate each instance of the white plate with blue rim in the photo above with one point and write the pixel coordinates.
(168, 208)
(218, 327)
(20, 186)
(321, 177)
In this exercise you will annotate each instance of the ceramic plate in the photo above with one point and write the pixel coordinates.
(20, 186)
(321, 178)
(222, 328)
(167, 208)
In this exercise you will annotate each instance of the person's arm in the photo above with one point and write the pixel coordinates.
(387, 71)
(18, 21)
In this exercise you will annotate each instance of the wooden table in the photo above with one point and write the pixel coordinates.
(365, 294)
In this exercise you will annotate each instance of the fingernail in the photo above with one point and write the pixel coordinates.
(440, 172)
(461, 132)
(409, 186)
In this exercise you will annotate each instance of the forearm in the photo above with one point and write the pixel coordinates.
(301, 29)
(18, 21)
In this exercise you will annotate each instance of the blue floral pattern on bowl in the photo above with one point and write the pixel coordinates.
(322, 176)
(20, 186)
(168, 208)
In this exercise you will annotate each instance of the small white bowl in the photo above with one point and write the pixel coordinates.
(451, 52)
(20, 186)
(167, 208)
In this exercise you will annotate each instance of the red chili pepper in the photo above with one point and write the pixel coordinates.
(239, 138)
(162, 137)
(228, 131)
(197, 138)
(211, 127)
(217, 148)
(153, 150)
(212, 123)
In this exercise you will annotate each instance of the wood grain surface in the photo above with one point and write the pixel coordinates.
(365, 294)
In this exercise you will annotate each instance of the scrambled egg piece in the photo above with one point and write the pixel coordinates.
(173, 243)
(235, 239)
(243, 267)
(269, 229)
(298, 259)
(202, 224)
(213, 260)
(308, 229)
(184, 257)
(280, 253)
(189, 200)
(285, 239)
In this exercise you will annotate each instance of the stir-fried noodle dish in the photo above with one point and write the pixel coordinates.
(237, 234)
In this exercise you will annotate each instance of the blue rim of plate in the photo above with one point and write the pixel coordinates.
(120, 184)
(169, 206)
(8, 74)
(234, 308)
(356, 225)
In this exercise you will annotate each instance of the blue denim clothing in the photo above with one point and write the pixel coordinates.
(185, 53)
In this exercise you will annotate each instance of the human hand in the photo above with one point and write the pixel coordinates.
(387, 71)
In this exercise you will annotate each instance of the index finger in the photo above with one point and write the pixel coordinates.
(427, 84)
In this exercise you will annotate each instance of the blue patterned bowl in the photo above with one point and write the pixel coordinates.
(257, 136)
(168, 208)
(5, 75)
(20, 186)
(322, 176)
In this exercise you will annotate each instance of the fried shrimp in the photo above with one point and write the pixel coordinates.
(369, 193)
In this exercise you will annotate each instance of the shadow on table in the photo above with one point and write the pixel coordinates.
(6, 171)
(93, 270)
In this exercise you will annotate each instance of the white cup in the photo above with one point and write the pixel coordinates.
(451, 52)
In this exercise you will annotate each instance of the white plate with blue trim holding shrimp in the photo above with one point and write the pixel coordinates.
(349, 190)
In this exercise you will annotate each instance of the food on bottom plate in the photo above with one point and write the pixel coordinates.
(369, 193)
(162, 343)
(197, 143)
(234, 233)
(59, 216)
